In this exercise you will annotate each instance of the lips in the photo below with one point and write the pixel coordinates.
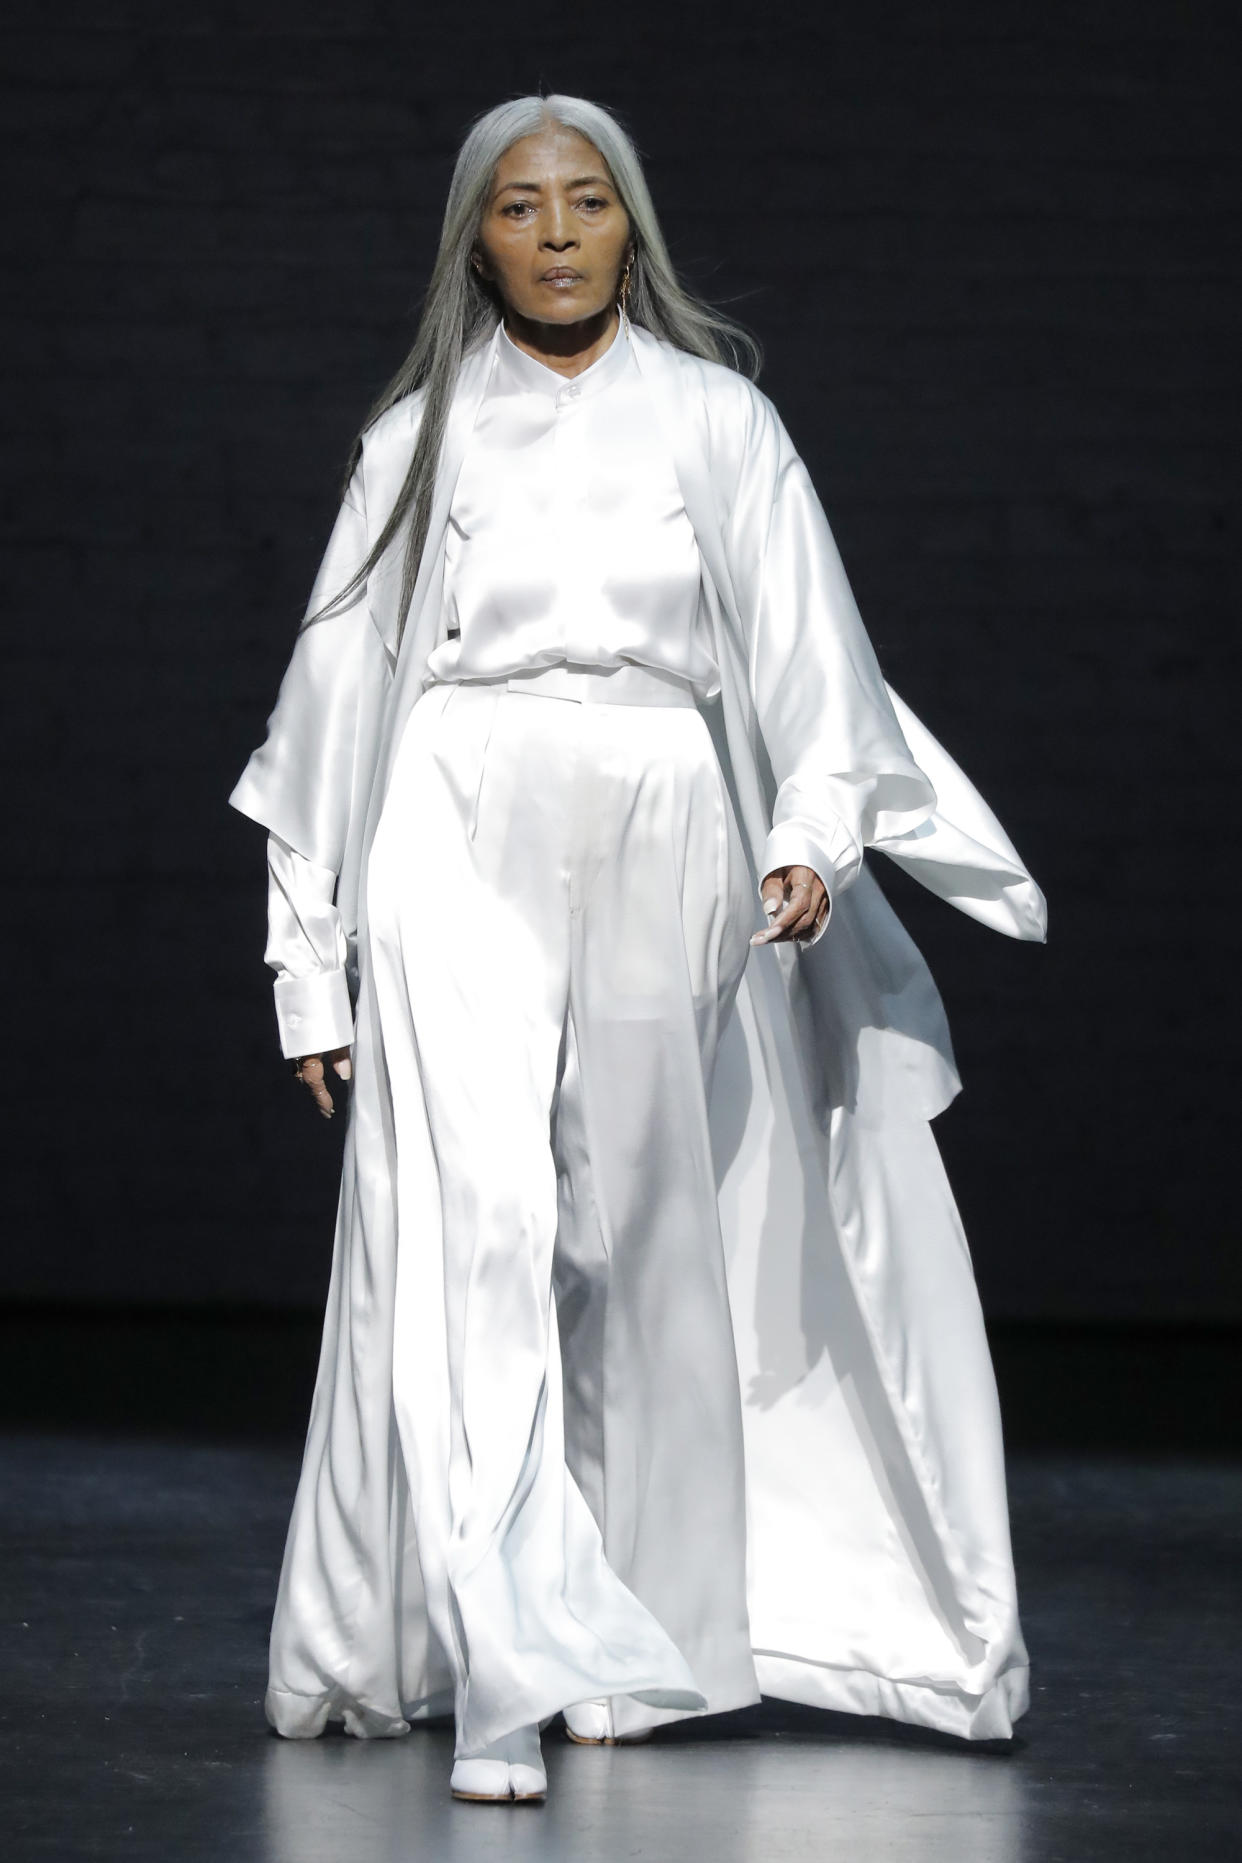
(560, 274)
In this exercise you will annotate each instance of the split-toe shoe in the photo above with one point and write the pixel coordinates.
(509, 1771)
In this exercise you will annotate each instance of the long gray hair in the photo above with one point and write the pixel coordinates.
(461, 311)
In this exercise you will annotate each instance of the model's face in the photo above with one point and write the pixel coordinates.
(554, 236)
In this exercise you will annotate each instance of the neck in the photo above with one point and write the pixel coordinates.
(569, 348)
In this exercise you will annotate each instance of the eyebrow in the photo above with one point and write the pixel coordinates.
(579, 181)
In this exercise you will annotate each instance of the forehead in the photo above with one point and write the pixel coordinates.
(549, 156)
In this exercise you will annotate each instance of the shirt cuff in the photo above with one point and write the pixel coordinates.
(313, 1014)
(788, 845)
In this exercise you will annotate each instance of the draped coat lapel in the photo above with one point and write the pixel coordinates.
(881, 1574)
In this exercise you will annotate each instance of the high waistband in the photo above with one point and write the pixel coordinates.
(597, 685)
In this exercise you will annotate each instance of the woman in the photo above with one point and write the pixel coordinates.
(652, 1375)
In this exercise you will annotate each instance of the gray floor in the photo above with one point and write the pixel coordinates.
(138, 1578)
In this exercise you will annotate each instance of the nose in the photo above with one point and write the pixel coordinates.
(558, 231)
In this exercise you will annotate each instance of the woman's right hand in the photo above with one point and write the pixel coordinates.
(309, 1069)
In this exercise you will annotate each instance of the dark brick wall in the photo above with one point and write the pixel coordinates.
(988, 250)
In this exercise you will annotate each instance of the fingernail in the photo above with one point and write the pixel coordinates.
(345, 1070)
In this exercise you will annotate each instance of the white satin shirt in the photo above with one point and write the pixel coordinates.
(568, 540)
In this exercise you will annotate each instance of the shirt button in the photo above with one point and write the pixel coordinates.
(572, 392)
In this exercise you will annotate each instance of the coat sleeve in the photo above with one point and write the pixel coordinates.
(307, 948)
(300, 782)
(843, 774)
(305, 784)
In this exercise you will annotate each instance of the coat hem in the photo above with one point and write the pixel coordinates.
(941, 1706)
(305, 1717)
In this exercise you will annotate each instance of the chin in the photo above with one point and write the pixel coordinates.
(559, 307)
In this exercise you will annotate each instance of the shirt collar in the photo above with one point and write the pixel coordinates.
(517, 373)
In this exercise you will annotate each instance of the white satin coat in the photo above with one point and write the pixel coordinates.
(880, 1576)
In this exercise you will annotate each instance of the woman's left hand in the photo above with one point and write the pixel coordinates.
(796, 902)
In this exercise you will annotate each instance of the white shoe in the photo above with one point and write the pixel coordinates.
(590, 1724)
(509, 1771)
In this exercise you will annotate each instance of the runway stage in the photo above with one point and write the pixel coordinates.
(138, 1572)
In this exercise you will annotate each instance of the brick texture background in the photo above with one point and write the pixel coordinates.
(988, 250)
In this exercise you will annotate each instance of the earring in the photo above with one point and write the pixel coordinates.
(624, 295)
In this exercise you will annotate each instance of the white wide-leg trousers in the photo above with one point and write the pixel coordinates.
(559, 911)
